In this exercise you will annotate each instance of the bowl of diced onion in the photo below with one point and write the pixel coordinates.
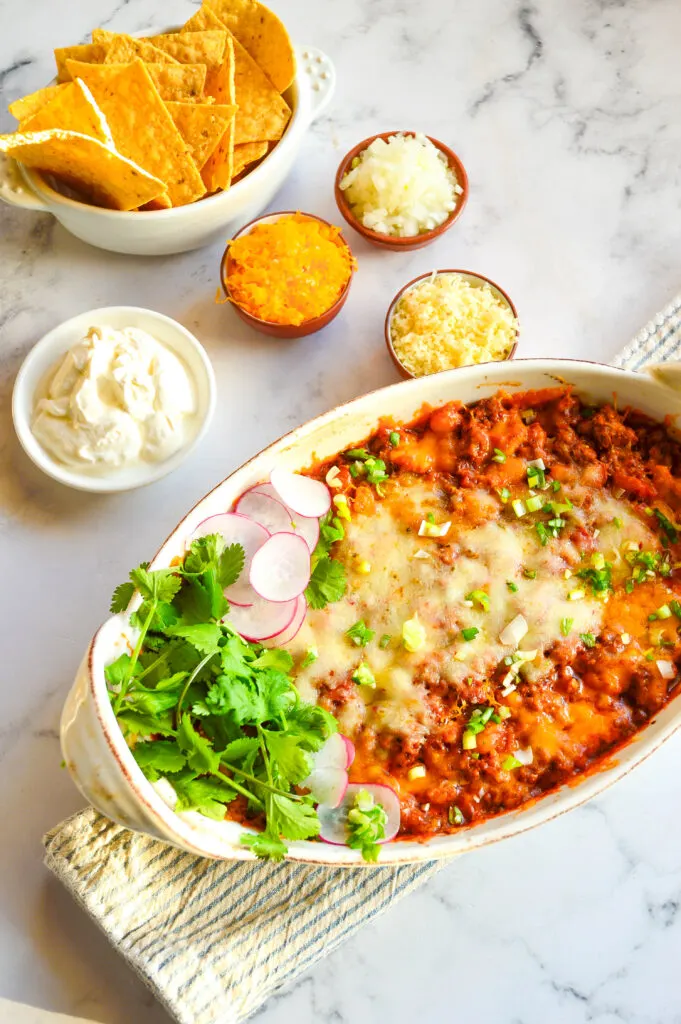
(401, 190)
(446, 319)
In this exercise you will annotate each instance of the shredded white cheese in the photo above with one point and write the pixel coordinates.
(446, 321)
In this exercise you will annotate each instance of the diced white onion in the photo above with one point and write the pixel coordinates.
(427, 529)
(667, 669)
(513, 633)
(524, 756)
(538, 463)
(332, 478)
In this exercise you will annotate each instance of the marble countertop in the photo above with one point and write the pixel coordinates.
(566, 116)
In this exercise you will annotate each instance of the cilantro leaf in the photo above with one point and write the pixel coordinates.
(121, 597)
(277, 693)
(244, 746)
(291, 762)
(234, 656)
(231, 565)
(366, 823)
(136, 724)
(117, 672)
(237, 697)
(204, 636)
(294, 819)
(266, 845)
(274, 658)
(156, 585)
(201, 756)
(159, 757)
(208, 796)
(311, 724)
(327, 583)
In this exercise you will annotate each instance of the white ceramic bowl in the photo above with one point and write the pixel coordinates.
(160, 232)
(47, 352)
(94, 749)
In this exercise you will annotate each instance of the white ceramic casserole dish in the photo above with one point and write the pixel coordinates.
(161, 232)
(94, 749)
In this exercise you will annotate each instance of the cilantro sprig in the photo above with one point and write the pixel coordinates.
(366, 825)
(328, 581)
(215, 715)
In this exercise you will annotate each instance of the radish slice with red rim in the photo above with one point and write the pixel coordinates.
(349, 749)
(280, 569)
(265, 509)
(263, 504)
(327, 785)
(291, 631)
(333, 821)
(302, 494)
(334, 754)
(237, 529)
(262, 620)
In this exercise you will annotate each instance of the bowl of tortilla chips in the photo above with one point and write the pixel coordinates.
(164, 143)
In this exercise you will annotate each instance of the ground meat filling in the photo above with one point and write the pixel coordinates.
(609, 557)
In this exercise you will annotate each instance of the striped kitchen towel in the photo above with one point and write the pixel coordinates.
(214, 939)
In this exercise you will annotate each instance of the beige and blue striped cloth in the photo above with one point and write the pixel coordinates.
(213, 939)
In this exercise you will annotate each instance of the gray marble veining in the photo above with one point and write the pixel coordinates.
(566, 116)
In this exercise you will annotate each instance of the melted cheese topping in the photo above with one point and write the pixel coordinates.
(485, 549)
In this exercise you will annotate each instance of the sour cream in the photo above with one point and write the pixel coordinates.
(117, 397)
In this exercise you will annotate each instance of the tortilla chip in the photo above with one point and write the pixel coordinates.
(194, 47)
(160, 203)
(260, 31)
(142, 128)
(263, 114)
(121, 49)
(201, 125)
(247, 153)
(175, 82)
(203, 21)
(87, 165)
(73, 110)
(91, 53)
(217, 171)
(27, 106)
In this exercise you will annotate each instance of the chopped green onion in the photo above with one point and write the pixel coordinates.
(513, 587)
(504, 712)
(676, 608)
(530, 574)
(566, 625)
(430, 518)
(499, 456)
(469, 741)
(534, 504)
(577, 594)
(510, 762)
(470, 632)
(598, 560)
(364, 676)
(504, 494)
(455, 815)
(617, 522)
(355, 470)
(555, 485)
(385, 641)
(479, 597)
(311, 655)
(394, 438)
(360, 634)
(518, 507)
(542, 534)
(664, 612)
(357, 453)
(413, 634)
(667, 525)
(588, 639)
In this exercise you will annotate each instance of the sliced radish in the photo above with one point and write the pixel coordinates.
(327, 785)
(280, 569)
(349, 749)
(237, 529)
(303, 495)
(265, 509)
(291, 631)
(333, 820)
(262, 620)
(334, 754)
(263, 504)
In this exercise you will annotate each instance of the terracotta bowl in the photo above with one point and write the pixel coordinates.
(473, 278)
(411, 241)
(267, 326)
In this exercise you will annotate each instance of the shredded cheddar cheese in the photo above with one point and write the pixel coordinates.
(289, 271)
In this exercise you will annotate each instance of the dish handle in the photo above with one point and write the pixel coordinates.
(668, 374)
(14, 189)
(321, 74)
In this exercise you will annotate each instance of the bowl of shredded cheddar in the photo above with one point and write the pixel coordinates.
(287, 274)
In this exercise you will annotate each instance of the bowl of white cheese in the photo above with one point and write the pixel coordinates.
(113, 399)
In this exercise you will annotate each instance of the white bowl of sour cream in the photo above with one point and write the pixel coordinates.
(113, 399)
